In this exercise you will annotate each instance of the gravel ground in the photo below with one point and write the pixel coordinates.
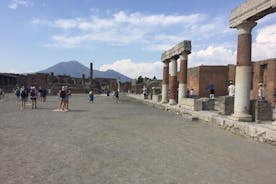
(125, 143)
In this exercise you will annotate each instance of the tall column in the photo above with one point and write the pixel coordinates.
(83, 79)
(165, 82)
(173, 81)
(91, 73)
(182, 87)
(243, 72)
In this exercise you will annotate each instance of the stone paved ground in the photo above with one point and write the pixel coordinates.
(125, 143)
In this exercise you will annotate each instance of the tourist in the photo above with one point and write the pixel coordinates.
(192, 93)
(40, 93)
(2, 94)
(24, 97)
(116, 94)
(62, 96)
(17, 93)
(211, 89)
(261, 92)
(231, 89)
(44, 94)
(33, 96)
(66, 99)
(91, 96)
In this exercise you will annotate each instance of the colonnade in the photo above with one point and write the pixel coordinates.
(244, 18)
(169, 84)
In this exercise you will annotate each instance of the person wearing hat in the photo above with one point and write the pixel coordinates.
(261, 92)
(231, 89)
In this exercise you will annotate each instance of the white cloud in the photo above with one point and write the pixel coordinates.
(16, 3)
(153, 31)
(265, 45)
(134, 70)
(212, 56)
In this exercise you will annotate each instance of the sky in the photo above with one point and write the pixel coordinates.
(123, 35)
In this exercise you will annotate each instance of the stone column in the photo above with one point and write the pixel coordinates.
(173, 81)
(91, 73)
(243, 73)
(182, 87)
(165, 82)
(83, 79)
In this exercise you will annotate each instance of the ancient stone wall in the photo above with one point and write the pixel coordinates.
(265, 72)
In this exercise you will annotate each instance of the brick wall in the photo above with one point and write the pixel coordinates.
(265, 72)
(216, 75)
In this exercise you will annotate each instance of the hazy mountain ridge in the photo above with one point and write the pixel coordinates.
(76, 69)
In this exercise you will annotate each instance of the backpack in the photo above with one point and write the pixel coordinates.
(62, 94)
(17, 92)
(32, 92)
(24, 93)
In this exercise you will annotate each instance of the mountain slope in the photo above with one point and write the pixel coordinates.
(76, 69)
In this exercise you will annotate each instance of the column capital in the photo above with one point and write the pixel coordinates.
(246, 27)
(183, 56)
(165, 64)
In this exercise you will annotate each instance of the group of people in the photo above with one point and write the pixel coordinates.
(91, 95)
(24, 93)
(64, 95)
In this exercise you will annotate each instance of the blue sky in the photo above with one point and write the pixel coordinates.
(127, 36)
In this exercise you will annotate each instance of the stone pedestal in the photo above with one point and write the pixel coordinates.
(261, 110)
(225, 105)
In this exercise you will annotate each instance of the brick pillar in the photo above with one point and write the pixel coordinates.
(243, 73)
(182, 87)
(165, 82)
(173, 81)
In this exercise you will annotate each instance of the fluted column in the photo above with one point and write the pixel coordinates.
(243, 72)
(173, 81)
(165, 82)
(182, 87)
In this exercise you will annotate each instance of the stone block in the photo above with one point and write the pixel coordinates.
(225, 105)
(261, 110)
(191, 104)
(156, 98)
(207, 104)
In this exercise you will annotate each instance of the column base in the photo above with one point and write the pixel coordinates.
(241, 117)
(172, 102)
(274, 123)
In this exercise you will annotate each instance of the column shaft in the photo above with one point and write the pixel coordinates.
(165, 82)
(182, 87)
(173, 82)
(243, 73)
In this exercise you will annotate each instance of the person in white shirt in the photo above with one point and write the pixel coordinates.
(231, 89)
(261, 92)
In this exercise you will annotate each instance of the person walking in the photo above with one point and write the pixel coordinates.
(116, 94)
(62, 96)
(2, 94)
(231, 89)
(91, 96)
(33, 96)
(17, 93)
(24, 97)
